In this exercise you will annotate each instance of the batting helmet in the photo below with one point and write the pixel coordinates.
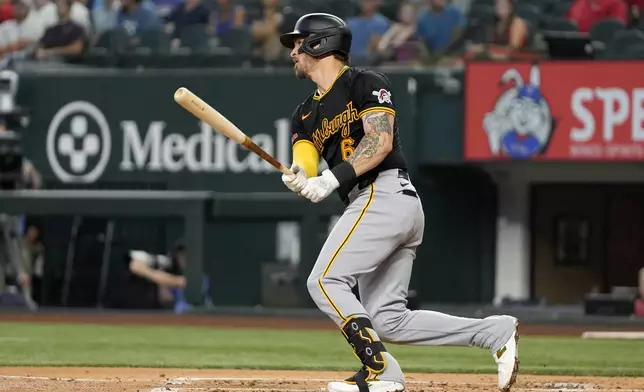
(328, 31)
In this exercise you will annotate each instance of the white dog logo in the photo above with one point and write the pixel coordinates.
(520, 125)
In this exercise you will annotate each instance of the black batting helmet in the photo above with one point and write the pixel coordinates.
(328, 31)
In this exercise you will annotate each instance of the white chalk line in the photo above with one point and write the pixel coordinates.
(251, 389)
(238, 389)
(432, 385)
(268, 379)
(58, 378)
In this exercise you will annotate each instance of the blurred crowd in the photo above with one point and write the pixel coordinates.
(385, 31)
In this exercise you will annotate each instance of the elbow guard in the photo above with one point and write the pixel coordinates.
(306, 156)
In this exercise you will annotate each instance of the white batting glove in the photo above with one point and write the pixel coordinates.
(319, 188)
(297, 182)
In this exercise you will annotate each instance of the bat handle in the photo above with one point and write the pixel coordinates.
(285, 170)
(251, 146)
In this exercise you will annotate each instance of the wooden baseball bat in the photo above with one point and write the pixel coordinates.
(200, 109)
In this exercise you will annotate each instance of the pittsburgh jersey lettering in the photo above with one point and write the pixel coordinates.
(329, 128)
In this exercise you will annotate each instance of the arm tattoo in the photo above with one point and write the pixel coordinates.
(375, 125)
(379, 123)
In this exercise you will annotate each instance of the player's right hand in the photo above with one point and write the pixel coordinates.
(297, 182)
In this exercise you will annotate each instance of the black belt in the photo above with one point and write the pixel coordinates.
(371, 178)
(409, 192)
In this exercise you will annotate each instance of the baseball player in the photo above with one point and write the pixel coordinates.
(350, 121)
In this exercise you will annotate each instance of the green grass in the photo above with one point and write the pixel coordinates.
(100, 345)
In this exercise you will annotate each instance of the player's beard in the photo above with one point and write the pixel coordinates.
(300, 73)
(302, 69)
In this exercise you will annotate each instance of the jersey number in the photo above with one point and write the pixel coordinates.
(346, 146)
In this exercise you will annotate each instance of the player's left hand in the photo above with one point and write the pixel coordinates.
(319, 188)
(297, 182)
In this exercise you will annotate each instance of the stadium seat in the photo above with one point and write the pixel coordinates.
(291, 15)
(195, 38)
(640, 25)
(476, 30)
(240, 41)
(544, 6)
(306, 6)
(530, 12)
(155, 39)
(603, 31)
(554, 23)
(389, 9)
(256, 4)
(113, 41)
(480, 11)
(626, 44)
(633, 52)
(482, 2)
(346, 9)
(560, 8)
(105, 51)
(627, 37)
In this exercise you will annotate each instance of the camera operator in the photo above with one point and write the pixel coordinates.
(16, 172)
(153, 280)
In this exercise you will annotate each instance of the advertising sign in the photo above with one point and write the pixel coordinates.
(563, 111)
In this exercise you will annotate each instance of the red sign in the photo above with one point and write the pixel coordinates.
(554, 111)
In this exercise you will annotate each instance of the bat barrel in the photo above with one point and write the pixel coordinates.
(200, 109)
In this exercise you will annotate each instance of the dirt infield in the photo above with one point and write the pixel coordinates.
(192, 380)
(53, 379)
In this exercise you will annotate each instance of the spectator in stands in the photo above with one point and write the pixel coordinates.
(228, 16)
(47, 12)
(266, 32)
(400, 43)
(585, 13)
(66, 40)
(635, 8)
(190, 12)
(105, 18)
(509, 30)
(80, 15)
(135, 18)
(367, 29)
(440, 25)
(507, 33)
(161, 7)
(20, 36)
(6, 10)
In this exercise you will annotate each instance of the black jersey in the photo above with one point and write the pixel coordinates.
(333, 121)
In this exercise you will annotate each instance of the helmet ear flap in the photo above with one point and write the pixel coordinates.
(308, 45)
(322, 44)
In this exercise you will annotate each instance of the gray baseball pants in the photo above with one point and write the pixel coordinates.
(374, 244)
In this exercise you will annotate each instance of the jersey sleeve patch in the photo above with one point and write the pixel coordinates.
(373, 91)
(384, 95)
